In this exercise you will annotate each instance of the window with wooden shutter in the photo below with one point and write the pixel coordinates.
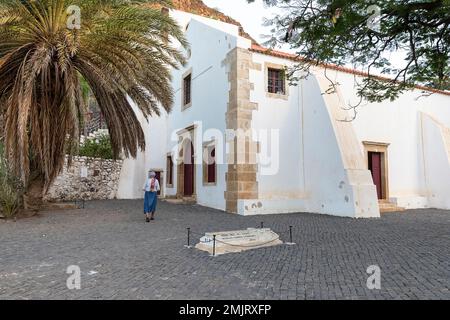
(276, 81)
(187, 90)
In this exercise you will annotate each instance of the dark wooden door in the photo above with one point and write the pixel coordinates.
(375, 168)
(158, 177)
(189, 172)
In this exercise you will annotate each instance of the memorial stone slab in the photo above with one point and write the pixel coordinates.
(238, 240)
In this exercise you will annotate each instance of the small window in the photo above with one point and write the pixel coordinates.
(276, 81)
(209, 165)
(169, 171)
(187, 83)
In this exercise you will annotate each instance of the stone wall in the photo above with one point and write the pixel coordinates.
(88, 179)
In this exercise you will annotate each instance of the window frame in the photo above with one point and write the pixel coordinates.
(184, 102)
(282, 68)
(281, 73)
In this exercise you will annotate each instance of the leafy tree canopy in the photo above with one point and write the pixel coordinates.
(363, 33)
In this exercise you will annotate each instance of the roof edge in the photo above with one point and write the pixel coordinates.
(293, 57)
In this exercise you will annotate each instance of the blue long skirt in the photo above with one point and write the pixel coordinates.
(150, 200)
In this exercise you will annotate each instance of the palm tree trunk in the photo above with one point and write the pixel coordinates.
(33, 197)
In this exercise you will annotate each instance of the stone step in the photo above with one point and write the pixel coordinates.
(185, 200)
(59, 206)
(389, 207)
(174, 201)
(189, 200)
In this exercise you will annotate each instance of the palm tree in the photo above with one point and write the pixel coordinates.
(121, 50)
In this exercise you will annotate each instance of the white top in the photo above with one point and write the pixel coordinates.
(148, 183)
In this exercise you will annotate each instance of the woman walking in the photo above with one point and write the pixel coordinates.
(151, 188)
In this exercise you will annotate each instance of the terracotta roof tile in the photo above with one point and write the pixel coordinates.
(294, 57)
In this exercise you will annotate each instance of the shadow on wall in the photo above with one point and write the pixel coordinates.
(436, 147)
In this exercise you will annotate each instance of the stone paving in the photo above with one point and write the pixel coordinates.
(122, 257)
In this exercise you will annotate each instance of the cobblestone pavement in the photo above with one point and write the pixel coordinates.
(122, 257)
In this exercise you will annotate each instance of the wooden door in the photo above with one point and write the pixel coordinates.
(375, 168)
(189, 172)
(158, 177)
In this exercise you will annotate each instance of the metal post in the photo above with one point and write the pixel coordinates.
(214, 245)
(189, 237)
(290, 234)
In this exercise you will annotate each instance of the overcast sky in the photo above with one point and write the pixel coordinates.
(251, 17)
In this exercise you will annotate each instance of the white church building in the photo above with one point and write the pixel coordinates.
(272, 147)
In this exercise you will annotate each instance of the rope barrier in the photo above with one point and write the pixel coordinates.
(215, 240)
(203, 234)
(198, 234)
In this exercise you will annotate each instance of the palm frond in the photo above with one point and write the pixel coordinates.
(120, 54)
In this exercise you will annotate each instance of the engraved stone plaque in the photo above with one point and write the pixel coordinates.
(83, 172)
(239, 240)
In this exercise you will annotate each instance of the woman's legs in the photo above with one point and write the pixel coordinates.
(147, 206)
(153, 205)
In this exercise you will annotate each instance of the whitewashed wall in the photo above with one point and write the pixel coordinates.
(399, 124)
(436, 146)
(135, 171)
(210, 86)
(312, 175)
(320, 165)
(210, 41)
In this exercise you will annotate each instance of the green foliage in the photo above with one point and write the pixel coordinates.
(355, 33)
(98, 147)
(11, 189)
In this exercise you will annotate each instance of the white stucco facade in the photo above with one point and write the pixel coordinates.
(308, 159)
